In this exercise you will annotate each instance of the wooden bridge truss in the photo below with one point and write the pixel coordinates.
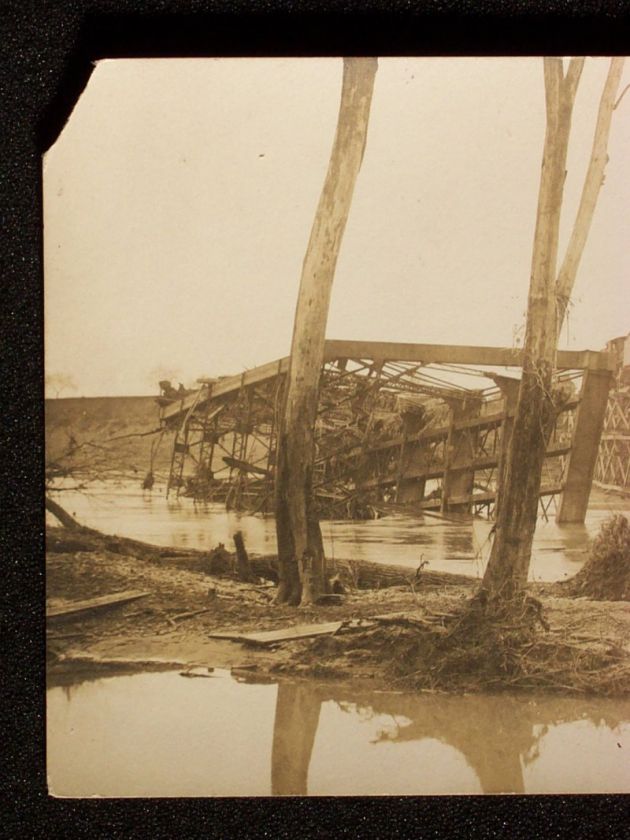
(400, 427)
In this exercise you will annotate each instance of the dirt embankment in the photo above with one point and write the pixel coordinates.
(105, 435)
(185, 605)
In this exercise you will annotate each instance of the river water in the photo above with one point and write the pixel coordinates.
(457, 545)
(159, 734)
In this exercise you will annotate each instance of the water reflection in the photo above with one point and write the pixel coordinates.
(294, 730)
(498, 737)
(157, 734)
(495, 739)
(459, 542)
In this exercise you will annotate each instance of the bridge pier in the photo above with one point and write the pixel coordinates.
(589, 422)
(410, 490)
(461, 445)
(412, 459)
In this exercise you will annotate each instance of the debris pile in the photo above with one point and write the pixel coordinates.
(606, 574)
(460, 650)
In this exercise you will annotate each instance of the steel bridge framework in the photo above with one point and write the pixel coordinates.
(409, 427)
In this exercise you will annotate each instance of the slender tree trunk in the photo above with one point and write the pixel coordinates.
(508, 567)
(506, 574)
(590, 191)
(300, 550)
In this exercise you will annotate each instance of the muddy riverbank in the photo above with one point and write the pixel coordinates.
(174, 623)
(184, 605)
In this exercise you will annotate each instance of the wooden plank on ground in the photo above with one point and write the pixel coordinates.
(307, 631)
(284, 634)
(74, 608)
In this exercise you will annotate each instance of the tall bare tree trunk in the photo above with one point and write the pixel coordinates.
(300, 548)
(590, 191)
(506, 574)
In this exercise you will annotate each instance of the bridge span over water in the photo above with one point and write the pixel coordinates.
(409, 427)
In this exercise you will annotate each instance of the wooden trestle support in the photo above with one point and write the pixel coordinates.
(399, 428)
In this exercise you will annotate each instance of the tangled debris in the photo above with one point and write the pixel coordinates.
(606, 574)
(465, 651)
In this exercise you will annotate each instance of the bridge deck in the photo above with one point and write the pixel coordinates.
(389, 351)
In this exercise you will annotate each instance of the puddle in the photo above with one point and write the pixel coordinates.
(158, 734)
(461, 547)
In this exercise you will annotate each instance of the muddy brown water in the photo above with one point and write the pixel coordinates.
(461, 546)
(159, 734)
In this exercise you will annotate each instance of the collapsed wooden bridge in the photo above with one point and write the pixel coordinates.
(415, 427)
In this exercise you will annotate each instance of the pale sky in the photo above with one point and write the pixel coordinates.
(179, 198)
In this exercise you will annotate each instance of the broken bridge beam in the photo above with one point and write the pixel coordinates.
(458, 354)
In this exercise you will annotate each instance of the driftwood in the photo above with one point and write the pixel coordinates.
(360, 574)
(72, 609)
(62, 515)
(60, 540)
(189, 614)
(329, 599)
(364, 574)
(242, 558)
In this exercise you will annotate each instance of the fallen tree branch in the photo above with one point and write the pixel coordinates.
(402, 621)
(189, 614)
(62, 515)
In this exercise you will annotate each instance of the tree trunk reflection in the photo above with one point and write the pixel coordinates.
(295, 725)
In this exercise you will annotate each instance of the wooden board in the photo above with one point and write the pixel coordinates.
(304, 631)
(74, 608)
(285, 634)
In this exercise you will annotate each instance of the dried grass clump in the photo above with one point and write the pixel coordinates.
(606, 574)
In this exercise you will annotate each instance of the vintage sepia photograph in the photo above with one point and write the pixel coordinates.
(337, 428)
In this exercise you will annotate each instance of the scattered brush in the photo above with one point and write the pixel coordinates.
(514, 650)
(606, 574)
(480, 648)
